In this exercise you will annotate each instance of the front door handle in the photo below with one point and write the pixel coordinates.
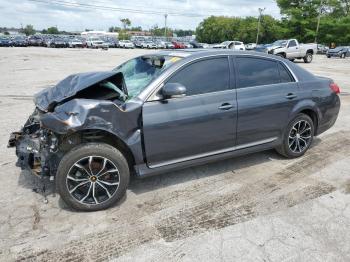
(225, 106)
(291, 96)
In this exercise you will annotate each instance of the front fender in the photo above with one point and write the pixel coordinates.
(86, 114)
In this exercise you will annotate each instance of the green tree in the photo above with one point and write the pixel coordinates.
(53, 30)
(301, 18)
(126, 22)
(123, 35)
(28, 30)
(217, 29)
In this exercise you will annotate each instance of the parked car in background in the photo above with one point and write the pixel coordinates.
(149, 45)
(35, 40)
(187, 45)
(111, 42)
(291, 49)
(178, 45)
(250, 46)
(158, 112)
(138, 43)
(126, 44)
(322, 49)
(169, 45)
(236, 45)
(160, 45)
(341, 52)
(5, 41)
(195, 44)
(262, 48)
(75, 42)
(57, 42)
(20, 41)
(95, 42)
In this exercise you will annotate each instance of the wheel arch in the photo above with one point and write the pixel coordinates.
(103, 136)
(310, 51)
(310, 110)
(313, 115)
(283, 54)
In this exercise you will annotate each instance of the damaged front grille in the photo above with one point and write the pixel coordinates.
(35, 146)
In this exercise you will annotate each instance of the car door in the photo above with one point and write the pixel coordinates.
(293, 49)
(266, 94)
(197, 125)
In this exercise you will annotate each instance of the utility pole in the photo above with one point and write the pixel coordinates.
(318, 20)
(165, 29)
(259, 20)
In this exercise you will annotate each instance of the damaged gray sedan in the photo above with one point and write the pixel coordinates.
(166, 111)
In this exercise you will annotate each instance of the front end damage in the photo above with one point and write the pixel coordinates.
(81, 108)
(36, 147)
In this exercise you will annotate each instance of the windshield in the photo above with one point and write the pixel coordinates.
(282, 43)
(140, 71)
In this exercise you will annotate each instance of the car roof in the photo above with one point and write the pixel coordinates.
(202, 52)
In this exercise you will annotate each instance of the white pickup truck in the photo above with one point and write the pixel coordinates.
(291, 49)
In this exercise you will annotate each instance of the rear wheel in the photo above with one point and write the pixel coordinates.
(297, 137)
(92, 177)
(308, 58)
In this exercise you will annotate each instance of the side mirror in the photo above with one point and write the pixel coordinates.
(173, 90)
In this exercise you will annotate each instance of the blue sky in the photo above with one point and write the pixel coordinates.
(43, 15)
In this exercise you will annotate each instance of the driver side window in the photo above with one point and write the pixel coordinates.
(205, 76)
(292, 43)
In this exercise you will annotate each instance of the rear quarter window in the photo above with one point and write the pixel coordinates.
(285, 75)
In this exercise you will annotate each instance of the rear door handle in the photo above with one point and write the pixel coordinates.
(291, 96)
(225, 106)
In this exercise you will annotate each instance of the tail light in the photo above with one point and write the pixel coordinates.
(335, 88)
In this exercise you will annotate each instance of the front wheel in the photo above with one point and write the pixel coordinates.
(297, 137)
(308, 58)
(92, 177)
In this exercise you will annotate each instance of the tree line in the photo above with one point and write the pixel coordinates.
(299, 20)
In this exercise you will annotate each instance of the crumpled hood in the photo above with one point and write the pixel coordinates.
(69, 87)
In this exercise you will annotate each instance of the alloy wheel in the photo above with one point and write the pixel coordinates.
(299, 136)
(93, 180)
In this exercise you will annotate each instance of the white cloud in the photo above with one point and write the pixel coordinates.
(42, 15)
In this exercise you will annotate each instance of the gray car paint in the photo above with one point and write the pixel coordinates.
(171, 134)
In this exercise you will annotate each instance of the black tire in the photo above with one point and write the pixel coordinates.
(308, 58)
(80, 153)
(285, 148)
(292, 60)
(328, 56)
(343, 56)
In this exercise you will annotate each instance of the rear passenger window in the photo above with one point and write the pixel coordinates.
(205, 76)
(284, 74)
(256, 72)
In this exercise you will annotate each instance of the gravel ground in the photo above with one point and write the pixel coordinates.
(259, 207)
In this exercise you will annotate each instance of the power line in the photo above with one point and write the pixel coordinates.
(164, 9)
(112, 8)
